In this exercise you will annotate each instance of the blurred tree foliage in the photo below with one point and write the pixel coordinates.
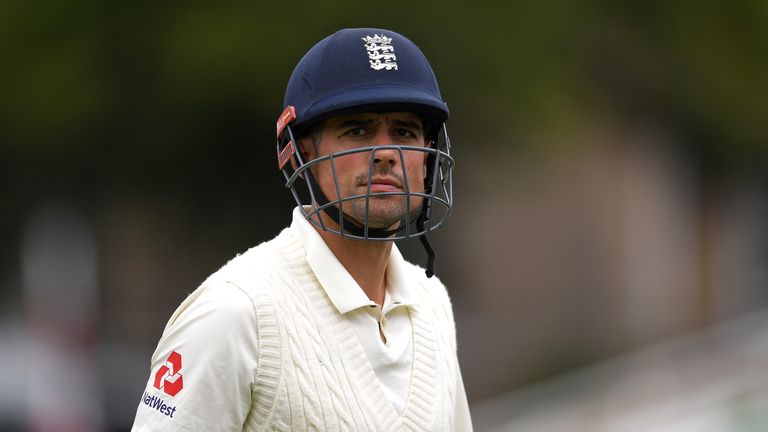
(94, 89)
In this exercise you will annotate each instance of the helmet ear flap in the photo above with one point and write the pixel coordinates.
(429, 173)
(431, 129)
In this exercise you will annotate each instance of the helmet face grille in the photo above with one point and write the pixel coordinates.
(420, 211)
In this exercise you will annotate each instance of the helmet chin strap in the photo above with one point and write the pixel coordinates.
(353, 227)
(424, 242)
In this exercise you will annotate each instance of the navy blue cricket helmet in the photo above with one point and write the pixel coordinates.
(361, 69)
(367, 70)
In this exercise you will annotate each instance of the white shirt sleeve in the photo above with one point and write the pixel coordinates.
(204, 365)
(462, 421)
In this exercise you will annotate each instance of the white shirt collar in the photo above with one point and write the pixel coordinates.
(341, 288)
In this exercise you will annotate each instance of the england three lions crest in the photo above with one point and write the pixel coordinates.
(381, 53)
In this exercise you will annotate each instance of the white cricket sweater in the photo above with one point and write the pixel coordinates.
(260, 346)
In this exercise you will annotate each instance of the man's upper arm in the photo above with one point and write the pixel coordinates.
(204, 365)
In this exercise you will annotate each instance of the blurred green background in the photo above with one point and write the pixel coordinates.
(611, 180)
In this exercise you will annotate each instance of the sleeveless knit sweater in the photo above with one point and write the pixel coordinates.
(274, 354)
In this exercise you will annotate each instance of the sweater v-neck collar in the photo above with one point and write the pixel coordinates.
(422, 394)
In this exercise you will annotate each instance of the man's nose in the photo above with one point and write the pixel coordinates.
(384, 155)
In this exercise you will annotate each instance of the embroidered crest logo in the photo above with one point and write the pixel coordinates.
(381, 53)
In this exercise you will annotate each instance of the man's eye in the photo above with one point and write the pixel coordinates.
(404, 133)
(355, 132)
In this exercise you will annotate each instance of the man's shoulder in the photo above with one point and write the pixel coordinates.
(238, 287)
(258, 267)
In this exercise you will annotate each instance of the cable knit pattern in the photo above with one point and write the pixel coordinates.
(312, 374)
(267, 376)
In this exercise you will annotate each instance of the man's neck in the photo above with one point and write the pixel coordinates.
(366, 261)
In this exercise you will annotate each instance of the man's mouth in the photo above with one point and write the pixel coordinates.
(385, 184)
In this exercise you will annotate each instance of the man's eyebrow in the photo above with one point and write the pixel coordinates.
(360, 122)
(353, 122)
(407, 124)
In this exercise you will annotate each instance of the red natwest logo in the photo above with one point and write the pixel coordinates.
(168, 379)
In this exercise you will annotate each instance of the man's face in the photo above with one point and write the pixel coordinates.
(390, 167)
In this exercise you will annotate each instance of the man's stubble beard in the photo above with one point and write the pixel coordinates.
(384, 211)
